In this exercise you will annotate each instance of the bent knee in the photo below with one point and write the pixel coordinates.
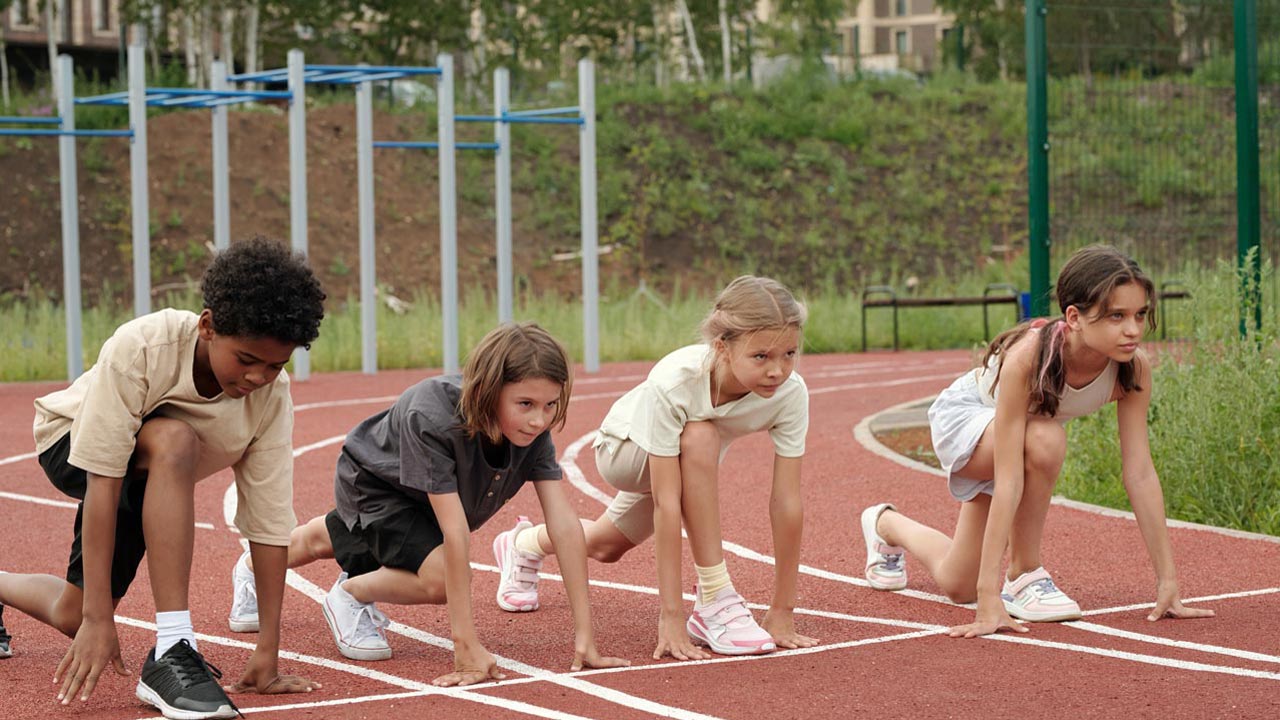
(1045, 445)
(959, 590)
(606, 553)
(699, 436)
(164, 441)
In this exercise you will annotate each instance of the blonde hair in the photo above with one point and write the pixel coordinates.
(511, 353)
(750, 304)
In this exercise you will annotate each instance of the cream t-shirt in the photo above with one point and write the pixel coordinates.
(145, 369)
(678, 391)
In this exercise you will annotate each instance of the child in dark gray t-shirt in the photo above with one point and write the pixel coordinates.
(413, 482)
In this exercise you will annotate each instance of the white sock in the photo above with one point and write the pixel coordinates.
(172, 627)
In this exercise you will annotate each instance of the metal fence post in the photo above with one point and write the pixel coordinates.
(1248, 203)
(1038, 156)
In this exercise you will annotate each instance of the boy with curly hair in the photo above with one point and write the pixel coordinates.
(174, 398)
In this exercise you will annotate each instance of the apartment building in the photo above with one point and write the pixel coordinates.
(889, 35)
(89, 30)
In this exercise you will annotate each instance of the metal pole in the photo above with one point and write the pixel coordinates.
(368, 271)
(502, 178)
(1038, 157)
(221, 195)
(141, 210)
(448, 215)
(590, 229)
(298, 180)
(70, 216)
(1248, 200)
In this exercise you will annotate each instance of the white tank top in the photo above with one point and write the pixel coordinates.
(1074, 403)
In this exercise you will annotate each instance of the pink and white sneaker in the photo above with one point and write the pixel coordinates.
(518, 588)
(726, 626)
(1033, 597)
(885, 569)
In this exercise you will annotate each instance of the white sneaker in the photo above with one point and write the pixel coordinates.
(357, 627)
(726, 626)
(1033, 597)
(885, 569)
(244, 601)
(518, 589)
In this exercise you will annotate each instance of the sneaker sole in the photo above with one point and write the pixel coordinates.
(150, 697)
(867, 520)
(243, 626)
(497, 560)
(347, 651)
(1021, 614)
(719, 649)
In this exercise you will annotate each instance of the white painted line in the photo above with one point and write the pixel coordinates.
(1137, 657)
(1183, 644)
(862, 433)
(39, 500)
(884, 383)
(1203, 598)
(383, 399)
(18, 458)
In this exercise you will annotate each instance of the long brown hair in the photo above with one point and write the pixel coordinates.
(749, 304)
(511, 353)
(1085, 282)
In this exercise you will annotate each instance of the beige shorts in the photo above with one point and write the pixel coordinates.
(625, 466)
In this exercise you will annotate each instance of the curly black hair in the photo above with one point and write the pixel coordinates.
(258, 289)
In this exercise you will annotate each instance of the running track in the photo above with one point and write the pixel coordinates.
(881, 654)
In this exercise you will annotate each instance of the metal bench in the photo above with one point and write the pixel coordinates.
(878, 296)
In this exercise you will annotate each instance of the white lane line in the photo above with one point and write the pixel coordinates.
(1183, 644)
(35, 500)
(18, 458)
(1202, 598)
(880, 384)
(862, 433)
(345, 403)
(313, 591)
(1138, 657)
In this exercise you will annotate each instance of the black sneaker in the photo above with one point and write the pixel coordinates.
(5, 637)
(183, 686)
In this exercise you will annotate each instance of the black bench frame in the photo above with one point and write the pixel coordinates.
(1012, 297)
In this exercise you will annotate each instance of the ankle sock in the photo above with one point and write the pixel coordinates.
(172, 627)
(527, 541)
(712, 580)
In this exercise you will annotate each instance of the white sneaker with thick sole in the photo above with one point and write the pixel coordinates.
(886, 568)
(1033, 597)
(244, 600)
(358, 628)
(726, 626)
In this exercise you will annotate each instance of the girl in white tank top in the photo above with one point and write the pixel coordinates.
(999, 433)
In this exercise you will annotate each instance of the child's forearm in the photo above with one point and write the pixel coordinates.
(1004, 502)
(666, 537)
(571, 550)
(1147, 499)
(269, 566)
(98, 531)
(457, 584)
(787, 519)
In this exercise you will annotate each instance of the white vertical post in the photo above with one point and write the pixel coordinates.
(590, 257)
(502, 176)
(221, 195)
(368, 270)
(141, 209)
(70, 216)
(448, 214)
(298, 180)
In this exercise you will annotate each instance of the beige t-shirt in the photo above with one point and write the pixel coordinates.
(678, 391)
(145, 369)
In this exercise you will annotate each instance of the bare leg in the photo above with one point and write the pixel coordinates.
(167, 450)
(308, 543)
(605, 542)
(1046, 448)
(401, 587)
(47, 598)
(700, 499)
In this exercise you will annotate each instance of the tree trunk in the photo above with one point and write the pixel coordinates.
(51, 42)
(189, 46)
(251, 39)
(154, 33)
(4, 71)
(726, 49)
(659, 46)
(692, 37)
(227, 34)
(206, 45)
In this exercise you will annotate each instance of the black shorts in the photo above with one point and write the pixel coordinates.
(130, 546)
(401, 540)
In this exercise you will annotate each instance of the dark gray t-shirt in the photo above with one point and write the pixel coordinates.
(418, 447)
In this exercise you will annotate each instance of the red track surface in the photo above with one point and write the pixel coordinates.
(1226, 666)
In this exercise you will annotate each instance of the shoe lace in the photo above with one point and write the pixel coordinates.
(192, 669)
(249, 596)
(1044, 587)
(891, 561)
(370, 623)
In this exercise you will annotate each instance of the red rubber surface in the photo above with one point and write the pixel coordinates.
(1230, 668)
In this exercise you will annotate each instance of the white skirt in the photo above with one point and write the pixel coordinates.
(957, 419)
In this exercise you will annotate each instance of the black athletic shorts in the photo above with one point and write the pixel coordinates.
(402, 540)
(130, 545)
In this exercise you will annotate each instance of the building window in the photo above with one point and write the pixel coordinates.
(23, 14)
(855, 42)
(102, 15)
(900, 42)
(836, 47)
(900, 7)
